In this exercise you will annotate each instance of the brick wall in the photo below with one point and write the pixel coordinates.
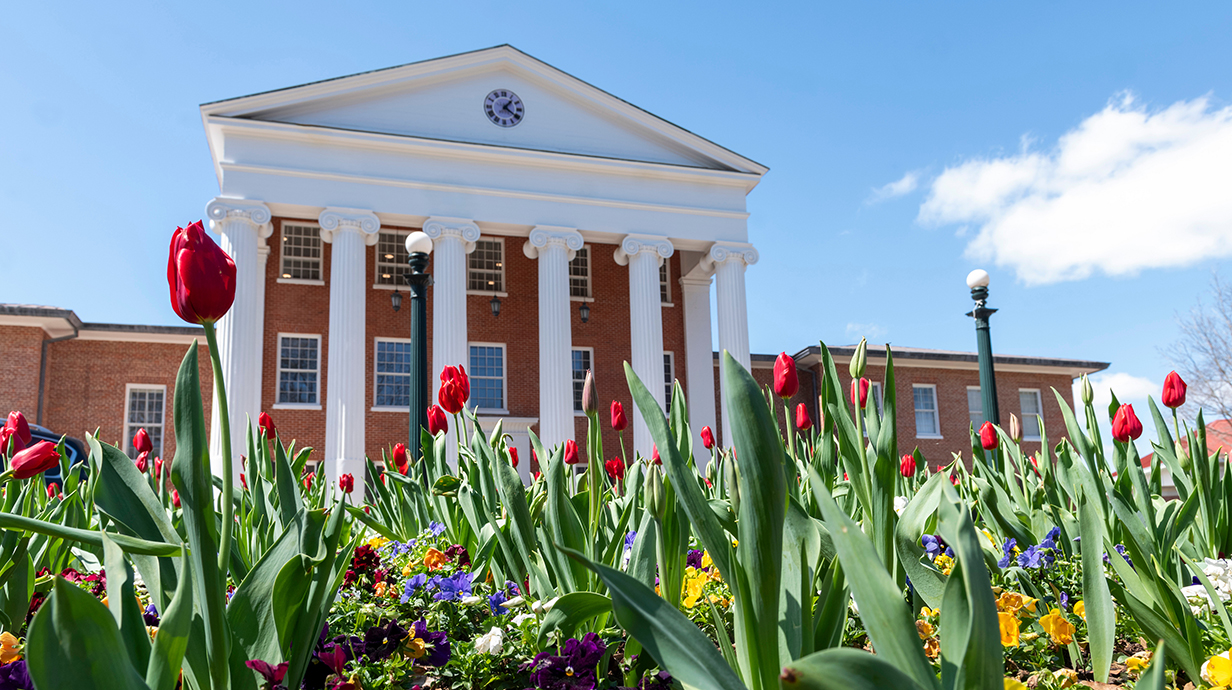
(20, 351)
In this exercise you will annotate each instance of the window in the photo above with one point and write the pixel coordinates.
(975, 406)
(487, 267)
(1032, 408)
(487, 373)
(582, 358)
(299, 365)
(144, 411)
(927, 424)
(391, 257)
(301, 252)
(393, 373)
(874, 394)
(665, 287)
(579, 273)
(669, 379)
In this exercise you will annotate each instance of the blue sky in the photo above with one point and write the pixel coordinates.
(1073, 151)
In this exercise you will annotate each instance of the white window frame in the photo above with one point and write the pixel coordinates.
(375, 347)
(278, 373)
(281, 258)
(668, 385)
(591, 350)
(503, 273)
(376, 267)
(1039, 400)
(504, 375)
(982, 417)
(130, 428)
(590, 276)
(936, 411)
(665, 282)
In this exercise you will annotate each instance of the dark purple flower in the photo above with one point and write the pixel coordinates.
(458, 554)
(659, 681)
(382, 640)
(273, 674)
(694, 559)
(435, 644)
(1064, 601)
(151, 615)
(512, 587)
(495, 602)
(573, 669)
(1007, 553)
(15, 676)
(1121, 550)
(934, 546)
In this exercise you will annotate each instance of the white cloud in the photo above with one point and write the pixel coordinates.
(1127, 189)
(1127, 387)
(904, 185)
(865, 330)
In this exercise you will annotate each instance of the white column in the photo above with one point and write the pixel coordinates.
(699, 355)
(452, 240)
(554, 247)
(349, 231)
(241, 225)
(729, 260)
(644, 254)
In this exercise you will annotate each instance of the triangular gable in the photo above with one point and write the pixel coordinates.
(443, 99)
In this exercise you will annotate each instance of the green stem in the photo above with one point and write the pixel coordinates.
(224, 425)
(791, 437)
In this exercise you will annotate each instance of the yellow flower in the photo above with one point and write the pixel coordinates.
(932, 647)
(434, 559)
(413, 647)
(944, 563)
(406, 572)
(925, 629)
(1080, 609)
(706, 562)
(379, 589)
(10, 648)
(1010, 602)
(1218, 669)
(1028, 604)
(1066, 676)
(1014, 684)
(693, 589)
(377, 542)
(1060, 630)
(1138, 662)
(929, 613)
(1009, 629)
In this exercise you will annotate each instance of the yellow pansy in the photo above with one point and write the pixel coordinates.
(377, 542)
(932, 647)
(1218, 669)
(1060, 630)
(929, 613)
(706, 562)
(1028, 604)
(1080, 610)
(434, 559)
(1066, 676)
(414, 647)
(379, 589)
(1014, 684)
(10, 648)
(1138, 662)
(1008, 623)
(693, 590)
(944, 563)
(925, 629)
(1009, 602)
(406, 571)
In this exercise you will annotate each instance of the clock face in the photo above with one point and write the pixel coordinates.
(503, 108)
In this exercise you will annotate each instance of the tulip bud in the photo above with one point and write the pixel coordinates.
(619, 421)
(1125, 424)
(175, 498)
(141, 442)
(615, 469)
(907, 466)
(52, 489)
(1174, 391)
(858, 359)
(654, 454)
(201, 276)
(1015, 428)
(732, 477)
(455, 389)
(1088, 393)
(19, 430)
(438, 423)
(859, 391)
(571, 452)
(988, 436)
(803, 422)
(653, 487)
(267, 425)
(400, 458)
(143, 462)
(347, 483)
(707, 438)
(1182, 455)
(513, 457)
(34, 460)
(590, 397)
(786, 382)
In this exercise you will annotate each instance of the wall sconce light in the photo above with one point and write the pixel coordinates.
(584, 311)
(495, 304)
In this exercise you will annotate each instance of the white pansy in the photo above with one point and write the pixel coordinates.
(522, 618)
(1220, 573)
(491, 642)
(900, 504)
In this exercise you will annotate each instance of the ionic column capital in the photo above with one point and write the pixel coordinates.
(438, 227)
(727, 252)
(543, 236)
(256, 213)
(633, 245)
(335, 220)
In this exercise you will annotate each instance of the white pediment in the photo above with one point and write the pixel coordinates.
(443, 99)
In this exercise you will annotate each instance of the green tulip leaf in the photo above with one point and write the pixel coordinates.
(171, 642)
(844, 669)
(1097, 599)
(570, 612)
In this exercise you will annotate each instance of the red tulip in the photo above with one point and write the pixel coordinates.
(707, 438)
(201, 276)
(400, 458)
(907, 466)
(786, 382)
(803, 421)
(988, 436)
(158, 466)
(534, 459)
(143, 462)
(141, 442)
(18, 429)
(175, 498)
(36, 459)
(438, 423)
(267, 425)
(308, 479)
(243, 480)
(1125, 425)
(52, 489)
(347, 483)
(954, 479)
(615, 469)
(455, 389)
(654, 454)
(619, 421)
(571, 452)
(1174, 391)
(859, 391)
(513, 456)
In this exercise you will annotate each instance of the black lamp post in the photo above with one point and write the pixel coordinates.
(418, 246)
(495, 304)
(584, 312)
(977, 280)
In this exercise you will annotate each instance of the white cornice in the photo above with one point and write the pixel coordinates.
(53, 326)
(140, 337)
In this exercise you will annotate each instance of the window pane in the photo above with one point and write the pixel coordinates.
(669, 376)
(301, 252)
(581, 364)
(391, 257)
(297, 375)
(393, 374)
(145, 411)
(1029, 401)
(925, 398)
(487, 374)
(487, 263)
(975, 407)
(665, 292)
(579, 274)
